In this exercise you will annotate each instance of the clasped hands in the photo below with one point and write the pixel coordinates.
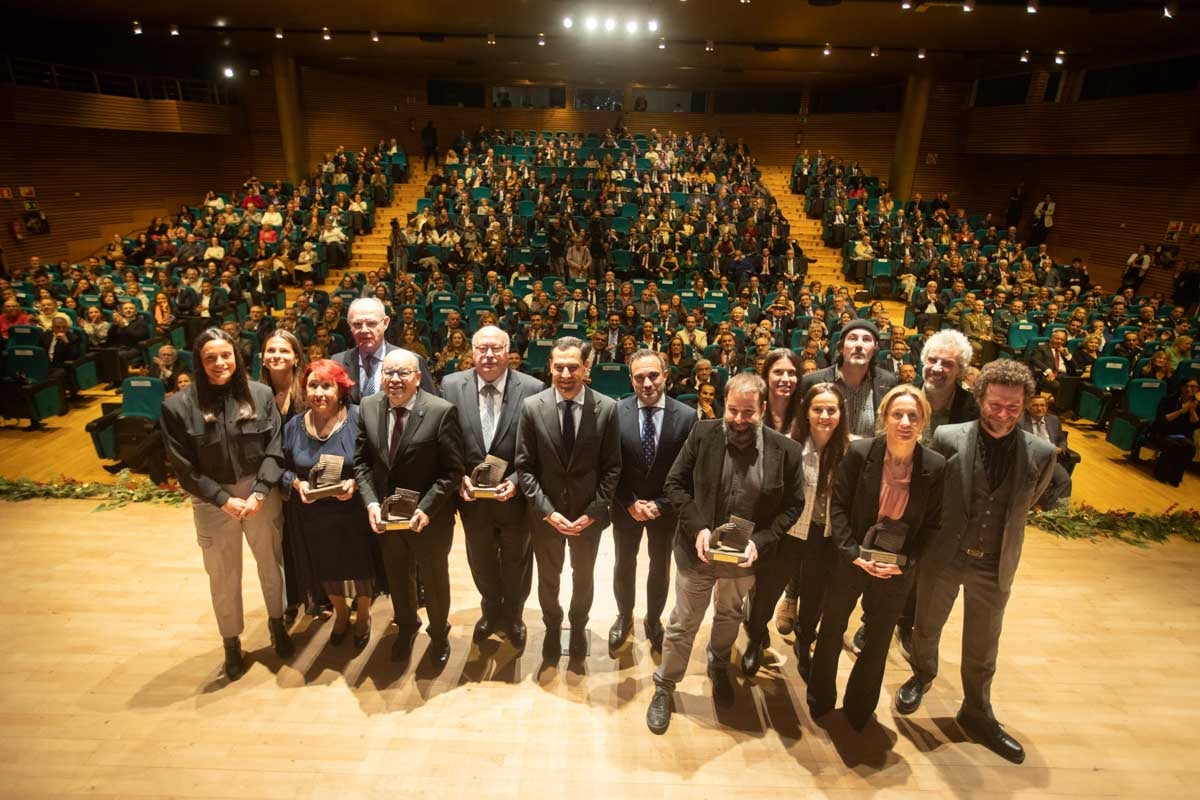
(568, 527)
(238, 508)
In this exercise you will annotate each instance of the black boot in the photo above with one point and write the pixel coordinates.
(280, 639)
(235, 666)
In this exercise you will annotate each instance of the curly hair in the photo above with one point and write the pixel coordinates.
(1004, 372)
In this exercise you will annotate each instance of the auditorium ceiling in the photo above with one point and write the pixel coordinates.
(704, 43)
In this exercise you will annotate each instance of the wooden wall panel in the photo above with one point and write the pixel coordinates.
(262, 123)
(36, 106)
(92, 183)
(942, 141)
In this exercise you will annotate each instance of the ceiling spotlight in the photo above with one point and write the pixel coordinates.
(279, 33)
(374, 36)
(906, 4)
(491, 38)
(1031, 6)
(708, 46)
(137, 28)
(874, 52)
(568, 22)
(921, 53)
(652, 25)
(610, 24)
(221, 22)
(325, 34)
(541, 40)
(968, 6)
(174, 30)
(228, 72)
(827, 50)
(1025, 57)
(1170, 10)
(590, 23)
(1060, 57)
(631, 26)
(662, 44)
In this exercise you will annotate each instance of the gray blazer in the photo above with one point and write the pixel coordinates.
(1031, 475)
(583, 482)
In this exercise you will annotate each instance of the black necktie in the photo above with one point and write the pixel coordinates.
(568, 426)
(397, 432)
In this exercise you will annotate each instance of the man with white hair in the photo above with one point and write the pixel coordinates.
(368, 322)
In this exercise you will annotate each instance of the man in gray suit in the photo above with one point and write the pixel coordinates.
(568, 465)
(653, 430)
(1047, 427)
(854, 372)
(489, 399)
(995, 472)
(368, 323)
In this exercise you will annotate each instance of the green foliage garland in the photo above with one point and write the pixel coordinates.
(1085, 522)
(127, 489)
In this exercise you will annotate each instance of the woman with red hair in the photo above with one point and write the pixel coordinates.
(332, 536)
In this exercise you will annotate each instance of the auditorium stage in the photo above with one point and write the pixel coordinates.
(111, 689)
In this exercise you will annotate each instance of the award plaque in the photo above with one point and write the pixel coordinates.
(325, 478)
(487, 478)
(884, 541)
(398, 509)
(729, 541)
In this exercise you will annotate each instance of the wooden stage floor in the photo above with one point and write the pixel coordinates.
(111, 689)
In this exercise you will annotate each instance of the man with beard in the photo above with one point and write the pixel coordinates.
(732, 467)
(855, 374)
(994, 475)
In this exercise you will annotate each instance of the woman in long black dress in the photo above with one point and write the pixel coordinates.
(332, 536)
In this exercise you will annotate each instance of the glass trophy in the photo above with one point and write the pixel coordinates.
(325, 477)
(398, 509)
(487, 477)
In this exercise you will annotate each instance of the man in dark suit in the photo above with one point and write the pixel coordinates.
(653, 430)
(1054, 369)
(854, 372)
(1047, 427)
(568, 465)
(994, 475)
(488, 399)
(364, 362)
(407, 320)
(733, 467)
(410, 439)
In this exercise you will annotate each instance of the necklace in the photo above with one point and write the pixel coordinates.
(310, 424)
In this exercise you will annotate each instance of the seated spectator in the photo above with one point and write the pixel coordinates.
(1044, 425)
(1180, 351)
(1158, 367)
(1174, 432)
(1054, 369)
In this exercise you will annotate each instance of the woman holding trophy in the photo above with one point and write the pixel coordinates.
(333, 537)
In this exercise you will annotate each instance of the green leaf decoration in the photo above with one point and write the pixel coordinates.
(127, 489)
(1141, 530)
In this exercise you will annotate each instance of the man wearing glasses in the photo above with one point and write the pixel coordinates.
(488, 398)
(410, 439)
(368, 322)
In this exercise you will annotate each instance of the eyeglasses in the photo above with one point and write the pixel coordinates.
(498, 349)
(403, 374)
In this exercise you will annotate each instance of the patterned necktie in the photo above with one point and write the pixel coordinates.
(568, 426)
(648, 445)
(368, 378)
(488, 417)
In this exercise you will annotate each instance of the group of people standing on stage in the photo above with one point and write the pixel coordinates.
(846, 484)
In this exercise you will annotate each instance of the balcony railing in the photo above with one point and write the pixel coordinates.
(29, 72)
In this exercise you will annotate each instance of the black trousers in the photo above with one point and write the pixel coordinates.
(627, 537)
(882, 599)
(550, 549)
(501, 559)
(403, 553)
(771, 576)
(816, 571)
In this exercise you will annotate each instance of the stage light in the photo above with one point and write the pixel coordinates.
(326, 34)
(568, 22)
(1031, 6)
(708, 46)
(174, 30)
(968, 6)
(228, 72)
(631, 26)
(652, 26)
(874, 52)
(591, 23)
(279, 33)
(541, 40)
(610, 24)
(662, 44)
(137, 28)
(827, 49)
(906, 4)
(491, 39)
(921, 53)
(1025, 57)
(1170, 10)
(1060, 57)
(374, 36)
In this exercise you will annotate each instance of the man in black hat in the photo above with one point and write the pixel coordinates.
(855, 374)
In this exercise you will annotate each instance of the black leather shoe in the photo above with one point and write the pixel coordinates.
(280, 639)
(552, 644)
(619, 632)
(289, 615)
(722, 686)
(517, 634)
(654, 634)
(908, 696)
(483, 629)
(991, 735)
(578, 646)
(235, 665)
(803, 658)
(439, 651)
(860, 640)
(658, 715)
(751, 658)
(402, 647)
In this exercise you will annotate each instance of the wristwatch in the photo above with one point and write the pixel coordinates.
(259, 496)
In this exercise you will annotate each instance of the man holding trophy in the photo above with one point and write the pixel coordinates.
(488, 398)
(409, 464)
(738, 486)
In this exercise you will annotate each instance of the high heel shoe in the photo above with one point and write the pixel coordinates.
(336, 637)
(360, 640)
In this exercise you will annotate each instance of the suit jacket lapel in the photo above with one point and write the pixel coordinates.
(552, 424)
(709, 462)
(587, 423)
(873, 476)
(966, 464)
(508, 405)
(413, 420)
(473, 422)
